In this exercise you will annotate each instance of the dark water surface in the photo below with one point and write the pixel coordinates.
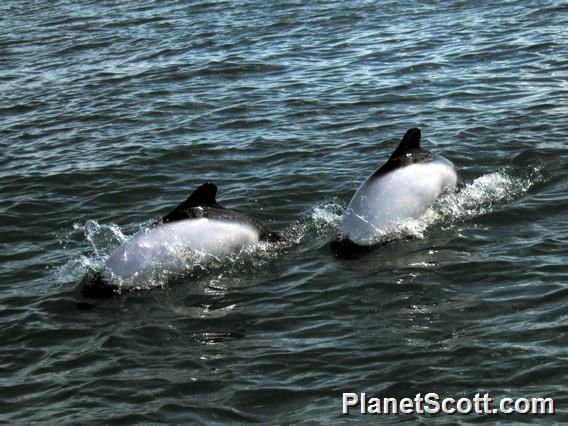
(111, 113)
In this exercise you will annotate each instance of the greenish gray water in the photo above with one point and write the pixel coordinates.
(112, 113)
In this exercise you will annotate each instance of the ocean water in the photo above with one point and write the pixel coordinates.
(111, 113)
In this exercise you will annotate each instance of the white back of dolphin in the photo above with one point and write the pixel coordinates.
(198, 226)
(165, 246)
(403, 188)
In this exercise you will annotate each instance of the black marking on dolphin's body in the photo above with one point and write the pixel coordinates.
(408, 153)
(201, 203)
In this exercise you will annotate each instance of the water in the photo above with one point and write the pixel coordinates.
(112, 113)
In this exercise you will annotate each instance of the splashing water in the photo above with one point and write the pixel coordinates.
(186, 263)
(98, 241)
(323, 220)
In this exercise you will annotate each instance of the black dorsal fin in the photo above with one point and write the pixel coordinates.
(201, 197)
(407, 152)
(410, 142)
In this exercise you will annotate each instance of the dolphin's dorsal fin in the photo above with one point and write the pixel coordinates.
(410, 142)
(408, 152)
(201, 197)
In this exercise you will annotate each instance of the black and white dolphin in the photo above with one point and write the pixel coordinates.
(402, 188)
(199, 224)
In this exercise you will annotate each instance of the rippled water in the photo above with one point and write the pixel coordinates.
(111, 113)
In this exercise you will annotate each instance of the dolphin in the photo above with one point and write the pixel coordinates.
(199, 224)
(402, 188)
